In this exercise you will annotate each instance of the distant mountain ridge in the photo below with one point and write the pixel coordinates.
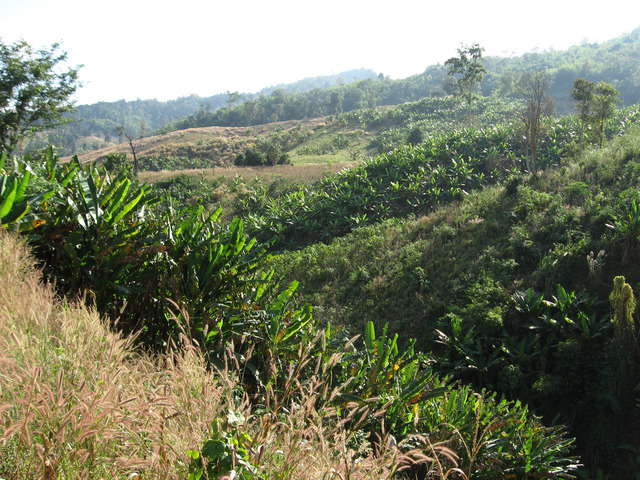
(323, 81)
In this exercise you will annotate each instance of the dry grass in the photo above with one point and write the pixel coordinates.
(166, 143)
(304, 173)
(78, 401)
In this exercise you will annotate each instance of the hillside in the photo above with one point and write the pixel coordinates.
(216, 146)
(94, 126)
(451, 305)
(261, 388)
(336, 139)
(510, 288)
(104, 409)
(614, 62)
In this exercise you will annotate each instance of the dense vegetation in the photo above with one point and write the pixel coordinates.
(510, 289)
(94, 126)
(501, 324)
(175, 276)
(437, 311)
(614, 62)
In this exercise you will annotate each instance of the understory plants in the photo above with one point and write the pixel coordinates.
(293, 399)
(509, 290)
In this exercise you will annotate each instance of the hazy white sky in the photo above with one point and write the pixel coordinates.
(167, 49)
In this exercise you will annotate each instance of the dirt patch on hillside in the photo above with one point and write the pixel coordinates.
(219, 144)
(305, 173)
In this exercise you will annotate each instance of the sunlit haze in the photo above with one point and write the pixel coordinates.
(165, 50)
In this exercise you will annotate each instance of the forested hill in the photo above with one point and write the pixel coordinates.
(95, 126)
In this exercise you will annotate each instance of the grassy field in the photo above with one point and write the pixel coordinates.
(317, 140)
(299, 173)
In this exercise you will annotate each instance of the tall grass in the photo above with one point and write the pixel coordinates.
(78, 401)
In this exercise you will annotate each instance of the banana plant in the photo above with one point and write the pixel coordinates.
(381, 377)
(496, 438)
(268, 319)
(12, 188)
(91, 237)
(627, 227)
(469, 355)
(14, 203)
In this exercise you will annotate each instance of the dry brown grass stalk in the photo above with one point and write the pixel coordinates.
(79, 401)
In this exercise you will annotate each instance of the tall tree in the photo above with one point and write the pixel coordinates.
(233, 98)
(34, 92)
(468, 71)
(123, 132)
(538, 104)
(605, 99)
(582, 95)
(596, 104)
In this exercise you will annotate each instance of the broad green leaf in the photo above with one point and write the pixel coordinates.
(18, 211)
(22, 187)
(8, 200)
(128, 207)
(370, 338)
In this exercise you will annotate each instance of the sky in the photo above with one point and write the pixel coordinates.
(144, 49)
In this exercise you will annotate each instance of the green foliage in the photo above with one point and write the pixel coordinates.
(446, 235)
(613, 61)
(381, 376)
(468, 70)
(408, 180)
(250, 157)
(107, 239)
(538, 107)
(627, 227)
(13, 205)
(499, 439)
(226, 453)
(92, 237)
(596, 104)
(491, 438)
(254, 157)
(415, 136)
(185, 188)
(485, 272)
(623, 305)
(34, 93)
(116, 162)
(156, 163)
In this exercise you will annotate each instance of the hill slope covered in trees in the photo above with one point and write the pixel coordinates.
(95, 126)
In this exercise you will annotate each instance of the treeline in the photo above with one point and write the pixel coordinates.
(95, 126)
(614, 62)
(280, 105)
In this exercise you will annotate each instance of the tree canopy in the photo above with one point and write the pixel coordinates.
(468, 70)
(35, 92)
